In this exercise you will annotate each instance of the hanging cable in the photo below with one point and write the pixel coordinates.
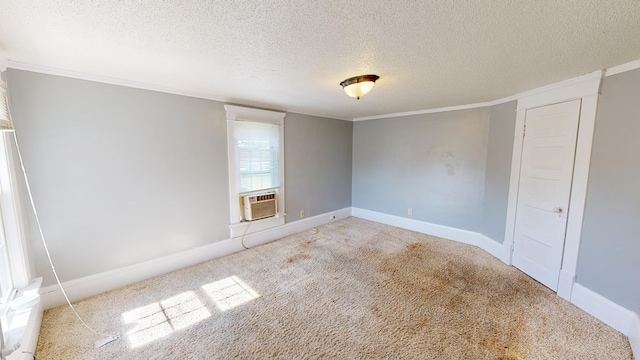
(243, 234)
(44, 242)
(110, 337)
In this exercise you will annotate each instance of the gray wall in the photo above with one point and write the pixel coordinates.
(609, 258)
(432, 163)
(498, 172)
(317, 165)
(119, 175)
(123, 175)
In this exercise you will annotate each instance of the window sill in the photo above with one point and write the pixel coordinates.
(249, 227)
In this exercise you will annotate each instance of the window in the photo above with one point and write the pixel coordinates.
(258, 155)
(6, 278)
(6, 284)
(6, 287)
(256, 163)
(15, 264)
(15, 272)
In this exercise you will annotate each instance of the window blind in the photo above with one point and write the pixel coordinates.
(4, 106)
(258, 155)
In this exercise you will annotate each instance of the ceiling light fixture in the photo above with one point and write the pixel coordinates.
(359, 85)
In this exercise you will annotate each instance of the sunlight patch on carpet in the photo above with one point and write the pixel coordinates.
(230, 292)
(159, 319)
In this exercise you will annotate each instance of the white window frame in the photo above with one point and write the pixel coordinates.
(12, 220)
(238, 113)
(14, 236)
(18, 326)
(7, 278)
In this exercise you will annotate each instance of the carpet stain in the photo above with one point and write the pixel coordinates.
(302, 251)
(434, 287)
(308, 243)
(298, 257)
(388, 293)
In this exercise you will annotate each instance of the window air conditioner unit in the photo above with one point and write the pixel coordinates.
(260, 206)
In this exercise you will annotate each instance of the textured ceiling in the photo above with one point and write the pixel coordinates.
(291, 55)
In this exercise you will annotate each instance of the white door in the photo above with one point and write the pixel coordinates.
(546, 173)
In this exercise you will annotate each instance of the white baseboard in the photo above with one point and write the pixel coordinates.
(602, 308)
(634, 336)
(464, 236)
(85, 287)
(492, 247)
(297, 226)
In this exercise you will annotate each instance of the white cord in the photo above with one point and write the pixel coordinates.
(44, 242)
(245, 233)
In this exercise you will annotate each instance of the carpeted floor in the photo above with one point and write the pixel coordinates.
(353, 289)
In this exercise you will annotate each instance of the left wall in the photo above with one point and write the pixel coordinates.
(119, 175)
(123, 175)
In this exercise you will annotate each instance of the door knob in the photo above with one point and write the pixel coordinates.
(557, 210)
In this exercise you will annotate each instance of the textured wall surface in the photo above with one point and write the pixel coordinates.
(432, 163)
(317, 165)
(496, 186)
(608, 261)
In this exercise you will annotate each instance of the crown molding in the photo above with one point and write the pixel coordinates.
(427, 111)
(504, 100)
(571, 88)
(622, 68)
(5, 63)
(442, 109)
(139, 85)
(112, 81)
(575, 87)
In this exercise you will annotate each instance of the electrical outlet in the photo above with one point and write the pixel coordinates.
(301, 213)
(410, 211)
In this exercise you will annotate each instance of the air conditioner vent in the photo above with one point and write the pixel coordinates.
(260, 206)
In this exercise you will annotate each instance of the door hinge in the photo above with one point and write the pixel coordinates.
(524, 130)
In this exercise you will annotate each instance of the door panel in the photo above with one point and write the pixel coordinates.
(546, 173)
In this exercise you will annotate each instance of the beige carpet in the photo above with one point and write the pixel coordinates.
(352, 290)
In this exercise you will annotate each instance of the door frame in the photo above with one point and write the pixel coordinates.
(586, 88)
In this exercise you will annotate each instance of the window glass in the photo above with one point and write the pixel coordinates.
(258, 155)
